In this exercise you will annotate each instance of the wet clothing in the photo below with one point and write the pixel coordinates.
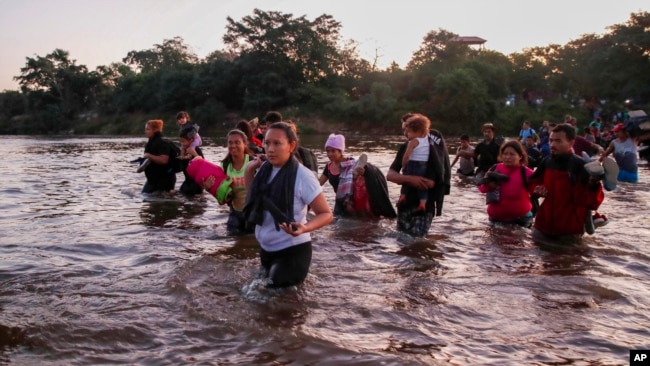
(160, 177)
(189, 187)
(418, 168)
(375, 185)
(514, 199)
(279, 195)
(334, 179)
(411, 220)
(286, 267)
(570, 195)
(377, 189)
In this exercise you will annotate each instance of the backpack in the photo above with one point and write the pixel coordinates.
(307, 158)
(174, 163)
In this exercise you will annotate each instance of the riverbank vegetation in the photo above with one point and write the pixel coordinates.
(303, 68)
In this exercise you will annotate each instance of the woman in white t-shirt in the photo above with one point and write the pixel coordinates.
(279, 196)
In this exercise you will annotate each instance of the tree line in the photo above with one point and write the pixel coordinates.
(303, 67)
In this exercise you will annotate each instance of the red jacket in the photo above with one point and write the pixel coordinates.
(569, 197)
(256, 141)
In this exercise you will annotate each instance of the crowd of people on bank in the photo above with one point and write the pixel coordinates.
(546, 180)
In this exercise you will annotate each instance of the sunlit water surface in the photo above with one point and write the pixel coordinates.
(92, 272)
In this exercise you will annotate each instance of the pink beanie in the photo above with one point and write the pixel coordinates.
(336, 142)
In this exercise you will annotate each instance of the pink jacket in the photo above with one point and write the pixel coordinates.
(515, 200)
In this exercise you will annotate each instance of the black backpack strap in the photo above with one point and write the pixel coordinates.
(533, 199)
(523, 176)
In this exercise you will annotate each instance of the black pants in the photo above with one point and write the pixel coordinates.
(190, 188)
(286, 267)
(166, 184)
(237, 224)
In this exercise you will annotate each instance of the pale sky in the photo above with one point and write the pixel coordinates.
(98, 32)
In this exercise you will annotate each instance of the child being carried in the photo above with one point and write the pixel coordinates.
(416, 157)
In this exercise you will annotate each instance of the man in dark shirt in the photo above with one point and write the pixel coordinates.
(436, 182)
(486, 152)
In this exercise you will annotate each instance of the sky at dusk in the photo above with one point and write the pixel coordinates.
(99, 32)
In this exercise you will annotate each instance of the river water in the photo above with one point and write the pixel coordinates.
(92, 272)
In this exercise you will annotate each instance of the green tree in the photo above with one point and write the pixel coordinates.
(12, 103)
(161, 79)
(278, 53)
(459, 102)
(495, 70)
(623, 65)
(310, 46)
(377, 105)
(529, 75)
(439, 46)
(172, 54)
(111, 76)
(59, 80)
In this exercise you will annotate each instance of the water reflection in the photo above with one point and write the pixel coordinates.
(159, 211)
(569, 260)
(243, 247)
(162, 209)
(284, 308)
(90, 278)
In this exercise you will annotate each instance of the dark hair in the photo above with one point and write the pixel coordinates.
(568, 129)
(237, 132)
(245, 128)
(183, 114)
(288, 130)
(228, 159)
(464, 138)
(272, 117)
(187, 133)
(518, 147)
